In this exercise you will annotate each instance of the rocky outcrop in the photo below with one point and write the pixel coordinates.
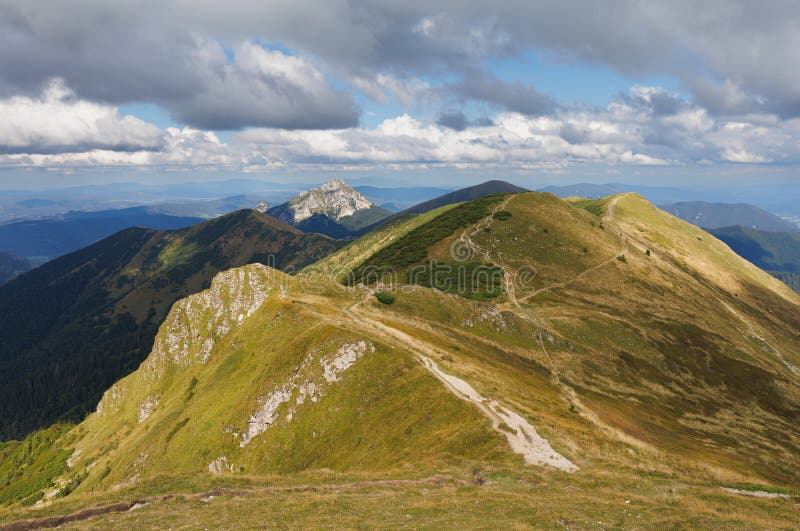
(305, 384)
(196, 323)
(334, 199)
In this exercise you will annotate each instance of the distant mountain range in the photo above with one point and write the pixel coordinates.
(771, 251)
(73, 326)
(716, 215)
(42, 240)
(396, 199)
(207, 209)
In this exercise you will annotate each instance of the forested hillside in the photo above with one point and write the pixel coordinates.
(74, 326)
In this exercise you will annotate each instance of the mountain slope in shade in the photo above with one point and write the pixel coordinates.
(12, 266)
(627, 364)
(75, 325)
(464, 194)
(717, 215)
(45, 239)
(772, 251)
(334, 209)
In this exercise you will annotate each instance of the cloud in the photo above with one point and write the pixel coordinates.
(384, 86)
(512, 96)
(459, 121)
(263, 88)
(453, 120)
(57, 121)
(121, 52)
(648, 126)
(735, 56)
(513, 140)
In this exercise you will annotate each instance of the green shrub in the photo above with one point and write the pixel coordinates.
(384, 297)
(473, 280)
(502, 215)
(622, 259)
(595, 206)
(413, 247)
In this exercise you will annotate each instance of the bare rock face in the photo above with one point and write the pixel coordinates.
(334, 199)
(262, 207)
(195, 323)
(192, 328)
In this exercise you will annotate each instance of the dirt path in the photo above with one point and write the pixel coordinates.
(85, 514)
(522, 437)
(757, 336)
(609, 216)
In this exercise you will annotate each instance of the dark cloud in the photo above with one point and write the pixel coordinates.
(126, 51)
(512, 96)
(458, 121)
(117, 53)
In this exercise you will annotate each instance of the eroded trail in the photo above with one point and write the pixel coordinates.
(522, 437)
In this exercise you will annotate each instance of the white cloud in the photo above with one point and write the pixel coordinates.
(57, 121)
(648, 127)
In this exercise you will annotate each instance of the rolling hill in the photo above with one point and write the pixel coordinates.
(45, 239)
(75, 325)
(610, 361)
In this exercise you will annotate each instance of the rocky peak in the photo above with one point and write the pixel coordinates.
(335, 199)
(262, 207)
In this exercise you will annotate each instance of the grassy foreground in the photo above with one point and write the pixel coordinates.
(509, 499)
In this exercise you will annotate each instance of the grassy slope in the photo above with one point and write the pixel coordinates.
(659, 376)
(71, 328)
(347, 259)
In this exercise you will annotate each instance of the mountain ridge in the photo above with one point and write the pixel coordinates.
(78, 323)
(626, 354)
